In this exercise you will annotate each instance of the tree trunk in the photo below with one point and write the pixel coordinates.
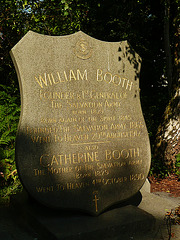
(168, 137)
(167, 46)
(167, 143)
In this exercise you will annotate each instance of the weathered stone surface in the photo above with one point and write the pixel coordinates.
(82, 142)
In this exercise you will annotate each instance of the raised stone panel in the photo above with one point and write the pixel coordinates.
(82, 142)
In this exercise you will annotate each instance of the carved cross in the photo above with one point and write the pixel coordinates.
(95, 200)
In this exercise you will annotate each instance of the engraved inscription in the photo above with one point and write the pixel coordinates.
(49, 79)
(114, 79)
(82, 135)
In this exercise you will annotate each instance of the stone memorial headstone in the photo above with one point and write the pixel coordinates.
(82, 142)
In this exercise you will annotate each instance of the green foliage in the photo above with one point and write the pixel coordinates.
(177, 165)
(9, 117)
(55, 17)
(158, 169)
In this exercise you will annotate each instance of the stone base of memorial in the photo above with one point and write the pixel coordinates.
(123, 220)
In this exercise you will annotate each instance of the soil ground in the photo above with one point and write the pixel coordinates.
(170, 184)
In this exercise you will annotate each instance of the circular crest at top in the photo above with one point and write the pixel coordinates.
(82, 49)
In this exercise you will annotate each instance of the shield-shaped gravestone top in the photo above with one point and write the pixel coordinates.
(82, 142)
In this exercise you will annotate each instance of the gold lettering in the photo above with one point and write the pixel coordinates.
(45, 189)
(82, 76)
(39, 172)
(67, 159)
(118, 80)
(65, 75)
(99, 73)
(136, 177)
(60, 187)
(74, 185)
(108, 181)
(75, 138)
(60, 77)
(82, 175)
(90, 157)
(115, 79)
(56, 105)
(135, 152)
(42, 80)
(129, 85)
(108, 154)
(116, 154)
(124, 79)
(80, 157)
(58, 138)
(118, 126)
(136, 124)
(59, 170)
(74, 158)
(71, 75)
(49, 79)
(124, 153)
(54, 160)
(110, 79)
(44, 160)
